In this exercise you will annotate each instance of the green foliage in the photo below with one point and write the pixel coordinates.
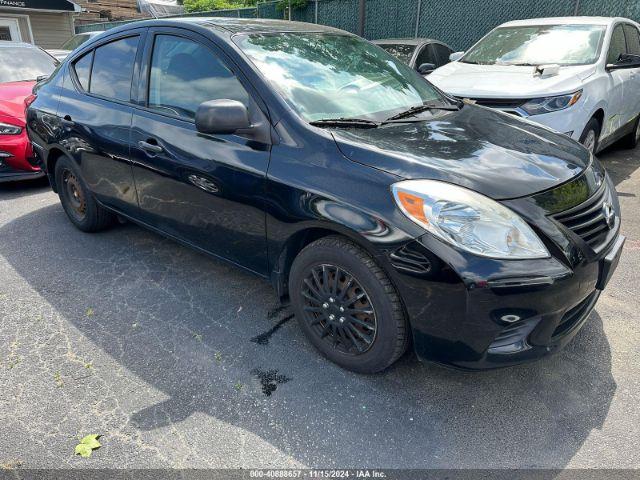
(295, 4)
(87, 445)
(207, 5)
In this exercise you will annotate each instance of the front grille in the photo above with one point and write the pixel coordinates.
(506, 103)
(575, 315)
(587, 220)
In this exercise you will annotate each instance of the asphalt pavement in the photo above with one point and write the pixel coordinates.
(182, 361)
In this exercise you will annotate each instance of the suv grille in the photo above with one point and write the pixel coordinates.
(587, 220)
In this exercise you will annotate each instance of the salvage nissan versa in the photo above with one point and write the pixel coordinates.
(387, 212)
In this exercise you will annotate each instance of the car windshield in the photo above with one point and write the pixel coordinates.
(24, 63)
(538, 45)
(401, 51)
(75, 41)
(327, 76)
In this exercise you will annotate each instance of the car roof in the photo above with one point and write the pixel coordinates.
(405, 41)
(566, 21)
(250, 25)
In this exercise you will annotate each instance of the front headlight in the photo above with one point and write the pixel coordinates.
(7, 129)
(538, 106)
(468, 220)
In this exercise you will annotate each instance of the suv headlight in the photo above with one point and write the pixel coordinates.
(468, 220)
(7, 129)
(538, 106)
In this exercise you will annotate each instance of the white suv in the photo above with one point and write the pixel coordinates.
(577, 75)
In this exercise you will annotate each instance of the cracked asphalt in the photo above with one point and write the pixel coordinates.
(178, 360)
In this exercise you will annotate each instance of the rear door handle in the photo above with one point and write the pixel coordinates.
(150, 147)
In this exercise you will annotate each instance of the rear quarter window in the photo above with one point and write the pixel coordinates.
(82, 69)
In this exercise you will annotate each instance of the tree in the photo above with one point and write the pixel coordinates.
(206, 5)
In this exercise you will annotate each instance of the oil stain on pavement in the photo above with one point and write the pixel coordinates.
(269, 379)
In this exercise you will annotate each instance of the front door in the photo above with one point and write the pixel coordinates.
(206, 190)
(618, 86)
(10, 30)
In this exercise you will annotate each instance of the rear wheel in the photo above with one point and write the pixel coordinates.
(346, 306)
(78, 203)
(591, 135)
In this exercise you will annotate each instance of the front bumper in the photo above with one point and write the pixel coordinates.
(476, 313)
(17, 158)
(530, 309)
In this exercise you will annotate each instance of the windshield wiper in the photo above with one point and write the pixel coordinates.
(421, 108)
(345, 122)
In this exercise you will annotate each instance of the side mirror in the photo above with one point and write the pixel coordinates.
(625, 60)
(41, 78)
(426, 68)
(222, 117)
(455, 56)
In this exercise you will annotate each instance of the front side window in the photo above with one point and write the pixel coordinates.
(327, 75)
(617, 46)
(442, 54)
(426, 55)
(113, 69)
(24, 64)
(538, 45)
(633, 39)
(185, 73)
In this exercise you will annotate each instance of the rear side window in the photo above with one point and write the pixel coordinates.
(185, 73)
(633, 39)
(617, 46)
(82, 67)
(113, 69)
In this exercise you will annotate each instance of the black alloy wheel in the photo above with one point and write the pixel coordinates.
(339, 309)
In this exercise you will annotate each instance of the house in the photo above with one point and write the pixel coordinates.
(46, 23)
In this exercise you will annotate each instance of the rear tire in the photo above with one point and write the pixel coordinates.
(591, 135)
(78, 202)
(633, 138)
(347, 306)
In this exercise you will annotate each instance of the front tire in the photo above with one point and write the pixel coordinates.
(78, 202)
(347, 306)
(591, 135)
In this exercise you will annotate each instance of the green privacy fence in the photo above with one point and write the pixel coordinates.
(456, 22)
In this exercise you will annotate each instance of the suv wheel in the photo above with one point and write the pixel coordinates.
(346, 306)
(591, 135)
(78, 203)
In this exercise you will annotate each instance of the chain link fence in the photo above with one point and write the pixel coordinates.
(459, 23)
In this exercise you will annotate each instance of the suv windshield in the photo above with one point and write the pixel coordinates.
(24, 63)
(538, 45)
(327, 76)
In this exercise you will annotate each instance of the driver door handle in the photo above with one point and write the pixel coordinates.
(150, 147)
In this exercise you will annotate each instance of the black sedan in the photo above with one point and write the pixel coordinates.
(422, 54)
(387, 213)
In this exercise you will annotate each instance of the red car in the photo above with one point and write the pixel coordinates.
(21, 64)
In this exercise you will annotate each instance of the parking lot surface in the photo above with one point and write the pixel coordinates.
(179, 360)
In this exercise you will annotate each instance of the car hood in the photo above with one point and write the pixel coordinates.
(12, 96)
(507, 81)
(491, 152)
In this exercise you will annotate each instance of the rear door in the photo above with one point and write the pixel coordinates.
(206, 190)
(94, 116)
